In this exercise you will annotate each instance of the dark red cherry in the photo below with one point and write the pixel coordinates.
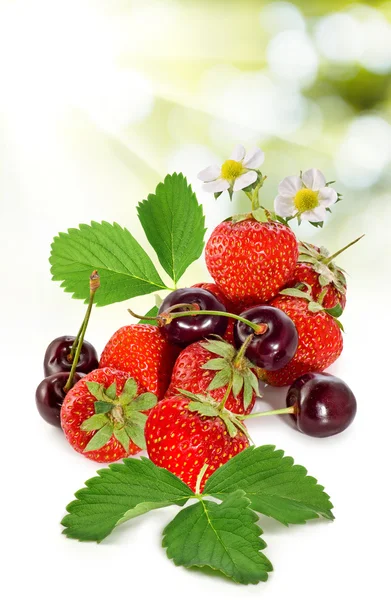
(273, 349)
(50, 396)
(324, 404)
(186, 330)
(57, 356)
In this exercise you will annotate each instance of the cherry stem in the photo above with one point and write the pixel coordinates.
(74, 345)
(329, 259)
(289, 410)
(94, 285)
(258, 328)
(225, 398)
(199, 479)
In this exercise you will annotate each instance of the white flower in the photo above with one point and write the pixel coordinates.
(235, 173)
(306, 196)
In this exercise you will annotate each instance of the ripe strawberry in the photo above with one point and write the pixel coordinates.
(320, 341)
(183, 440)
(143, 351)
(210, 367)
(102, 415)
(230, 307)
(251, 261)
(315, 268)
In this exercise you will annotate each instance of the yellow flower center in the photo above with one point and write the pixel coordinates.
(231, 169)
(306, 200)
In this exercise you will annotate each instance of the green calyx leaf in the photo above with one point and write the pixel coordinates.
(203, 408)
(329, 273)
(222, 536)
(174, 224)
(121, 416)
(275, 485)
(125, 269)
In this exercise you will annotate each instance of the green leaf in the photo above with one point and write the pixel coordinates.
(220, 379)
(102, 407)
(121, 492)
(111, 391)
(276, 487)
(122, 437)
(222, 536)
(174, 224)
(136, 418)
(151, 313)
(136, 434)
(247, 392)
(220, 348)
(101, 438)
(144, 401)
(296, 293)
(336, 311)
(260, 215)
(203, 409)
(315, 307)
(94, 422)
(229, 425)
(130, 387)
(237, 383)
(125, 269)
(96, 389)
(215, 364)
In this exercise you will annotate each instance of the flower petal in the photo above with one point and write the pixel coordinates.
(254, 158)
(327, 196)
(314, 179)
(210, 173)
(219, 185)
(290, 186)
(284, 206)
(244, 180)
(316, 214)
(238, 153)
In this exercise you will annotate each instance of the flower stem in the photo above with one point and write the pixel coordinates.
(199, 479)
(289, 410)
(329, 259)
(94, 285)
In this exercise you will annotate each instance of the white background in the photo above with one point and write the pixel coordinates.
(40, 472)
(51, 180)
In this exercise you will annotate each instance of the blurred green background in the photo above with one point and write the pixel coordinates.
(100, 99)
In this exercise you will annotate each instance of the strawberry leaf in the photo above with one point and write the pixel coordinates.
(174, 224)
(220, 379)
(144, 401)
(276, 487)
(222, 536)
(203, 408)
(100, 439)
(119, 493)
(111, 391)
(95, 422)
(122, 437)
(125, 269)
(102, 407)
(136, 434)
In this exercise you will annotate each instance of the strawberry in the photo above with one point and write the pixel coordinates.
(316, 268)
(213, 366)
(143, 351)
(184, 434)
(320, 339)
(249, 260)
(103, 415)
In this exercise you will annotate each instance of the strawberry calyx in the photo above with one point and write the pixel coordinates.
(232, 368)
(206, 406)
(313, 306)
(329, 273)
(122, 416)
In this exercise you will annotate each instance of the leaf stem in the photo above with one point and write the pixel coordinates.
(329, 259)
(199, 479)
(94, 285)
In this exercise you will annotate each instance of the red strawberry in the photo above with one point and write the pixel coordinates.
(320, 341)
(230, 307)
(102, 415)
(315, 268)
(251, 261)
(226, 366)
(142, 351)
(183, 440)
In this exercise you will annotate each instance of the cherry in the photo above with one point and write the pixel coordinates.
(188, 329)
(270, 349)
(50, 395)
(324, 405)
(58, 356)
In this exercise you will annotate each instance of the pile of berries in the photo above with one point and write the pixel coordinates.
(183, 386)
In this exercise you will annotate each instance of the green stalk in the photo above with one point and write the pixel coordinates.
(289, 410)
(329, 259)
(94, 285)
